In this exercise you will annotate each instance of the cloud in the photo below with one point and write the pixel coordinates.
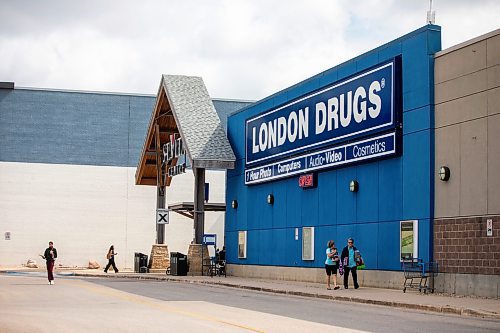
(242, 49)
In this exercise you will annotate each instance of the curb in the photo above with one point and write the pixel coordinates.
(422, 307)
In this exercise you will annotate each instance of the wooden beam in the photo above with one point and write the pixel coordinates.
(148, 181)
(149, 136)
(159, 177)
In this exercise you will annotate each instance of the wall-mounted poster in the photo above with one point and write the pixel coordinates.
(408, 239)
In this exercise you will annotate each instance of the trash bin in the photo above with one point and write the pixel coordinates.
(140, 263)
(178, 264)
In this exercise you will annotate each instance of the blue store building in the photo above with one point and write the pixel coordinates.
(345, 153)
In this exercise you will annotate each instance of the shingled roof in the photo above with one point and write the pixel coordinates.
(200, 127)
(183, 106)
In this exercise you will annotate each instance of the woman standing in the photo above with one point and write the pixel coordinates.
(111, 259)
(350, 261)
(331, 263)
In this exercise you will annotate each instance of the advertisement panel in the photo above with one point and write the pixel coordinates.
(355, 107)
(375, 147)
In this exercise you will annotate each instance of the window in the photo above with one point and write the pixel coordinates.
(308, 243)
(408, 239)
(242, 244)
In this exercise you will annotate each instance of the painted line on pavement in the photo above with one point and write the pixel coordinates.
(107, 291)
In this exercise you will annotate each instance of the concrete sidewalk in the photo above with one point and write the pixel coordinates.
(465, 306)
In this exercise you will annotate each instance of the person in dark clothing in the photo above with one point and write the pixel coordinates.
(350, 256)
(50, 256)
(111, 259)
(222, 254)
(221, 261)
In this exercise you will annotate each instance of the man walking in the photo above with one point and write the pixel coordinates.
(50, 256)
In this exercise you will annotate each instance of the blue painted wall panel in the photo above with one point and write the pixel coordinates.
(343, 233)
(390, 51)
(302, 88)
(346, 69)
(283, 255)
(417, 120)
(367, 197)
(390, 179)
(242, 213)
(279, 99)
(416, 72)
(322, 235)
(327, 198)
(267, 247)
(266, 210)
(328, 77)
(388, 248)
(390, 190)
(293, 214)
(231, 242)
(365, 234)
(370, 60)
(309, 204)
(236, 133)
(416, 176)
(424, 233)
(293, 248)
(346, 200)
(279, 208)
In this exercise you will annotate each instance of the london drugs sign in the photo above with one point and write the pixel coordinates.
(363, 105)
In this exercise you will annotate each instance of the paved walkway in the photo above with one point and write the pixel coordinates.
(466, 306)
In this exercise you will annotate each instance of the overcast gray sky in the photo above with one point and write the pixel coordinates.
(243, 49)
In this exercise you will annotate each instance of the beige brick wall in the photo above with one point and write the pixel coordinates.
(85, 209)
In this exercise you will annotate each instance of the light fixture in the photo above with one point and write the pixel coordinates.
(270, 199)
(234, 204)
(444, 173)
(353, 186)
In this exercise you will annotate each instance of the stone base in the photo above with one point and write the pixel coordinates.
(195, 257)
(366, 278)
(481, 285)
(159, 260)
(458, 284)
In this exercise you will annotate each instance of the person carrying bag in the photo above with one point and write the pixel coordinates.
(111, 259)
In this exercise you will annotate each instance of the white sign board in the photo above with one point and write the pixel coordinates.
(162, 216)
(489, 227)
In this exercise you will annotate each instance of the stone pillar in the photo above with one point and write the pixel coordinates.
(194, 259)
(159, 261)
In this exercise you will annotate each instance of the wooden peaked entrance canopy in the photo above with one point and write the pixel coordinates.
(183, 107)
(184, 110)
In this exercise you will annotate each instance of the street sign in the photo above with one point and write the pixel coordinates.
(489, 227)
(162, 216)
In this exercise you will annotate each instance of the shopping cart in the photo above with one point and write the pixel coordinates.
(419, 275)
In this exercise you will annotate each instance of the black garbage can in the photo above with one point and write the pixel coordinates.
(178, 264)
(140, 263)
